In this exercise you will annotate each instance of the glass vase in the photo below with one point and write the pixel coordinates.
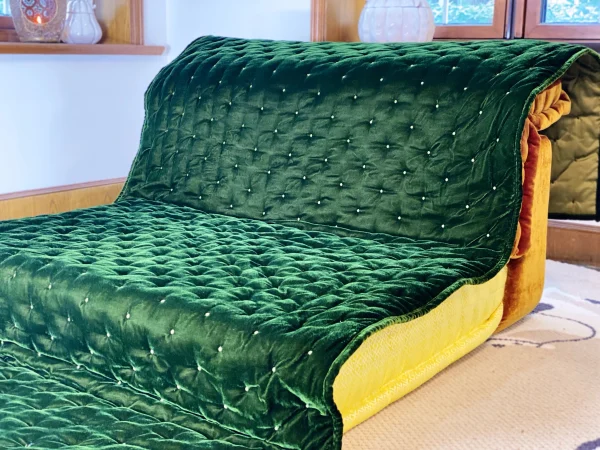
(39, 20)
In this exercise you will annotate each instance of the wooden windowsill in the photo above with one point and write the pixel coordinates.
(75, 49)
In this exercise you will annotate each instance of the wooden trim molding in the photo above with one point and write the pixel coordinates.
(568, 242)
(66, 187)
(574, 243)
(7, 30)
(137, 22)
(7, 35)
(6, 23)
(518, 18)
(318, 15)
(122, 21)
(78, 49)
(335, 20)
(59, 199)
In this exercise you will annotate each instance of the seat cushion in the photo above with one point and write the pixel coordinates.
(46, 403)
(398, 359)
(171, 301)
(229, 311)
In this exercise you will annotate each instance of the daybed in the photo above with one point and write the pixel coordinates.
(309, 231)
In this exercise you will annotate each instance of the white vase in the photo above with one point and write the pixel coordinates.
(396, 21)
(81, 26)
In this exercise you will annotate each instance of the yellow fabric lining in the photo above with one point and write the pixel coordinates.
(396, 360)
(401, 357)
(526, 269)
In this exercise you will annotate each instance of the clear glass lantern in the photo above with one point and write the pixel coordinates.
(39, 20)
(396, 21)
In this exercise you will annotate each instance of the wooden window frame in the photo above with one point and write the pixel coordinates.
(496, 30)
(341, 24)
(7, 30)
(534, 28)
(337, 20)
(6, 23)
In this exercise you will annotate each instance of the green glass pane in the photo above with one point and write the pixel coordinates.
(571, 11)
(463, 12)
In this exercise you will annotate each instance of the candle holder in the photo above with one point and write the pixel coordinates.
(39, 20)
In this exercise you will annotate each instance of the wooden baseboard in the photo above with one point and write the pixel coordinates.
(59, 199)
(574, 243)
(569, 242)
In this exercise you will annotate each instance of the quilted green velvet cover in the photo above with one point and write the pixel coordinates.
(287, 201)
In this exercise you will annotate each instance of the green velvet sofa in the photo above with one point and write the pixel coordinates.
(291, 206)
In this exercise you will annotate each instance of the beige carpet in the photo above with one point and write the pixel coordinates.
(533, 386)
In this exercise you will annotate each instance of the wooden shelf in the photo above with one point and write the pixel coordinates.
(122, 34)
(74, 49)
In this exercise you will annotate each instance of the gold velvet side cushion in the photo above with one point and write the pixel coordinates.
(398, 359)
(401, 357)
(526, 268)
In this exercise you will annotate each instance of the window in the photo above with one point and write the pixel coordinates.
(7, 32)
(469, 19)
(541, 19)
(562, 19)
(569, 20)
(469, 12)
(571, 11)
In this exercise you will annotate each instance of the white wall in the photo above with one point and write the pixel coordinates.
(266, 19)
(72, 119)
(69, 119)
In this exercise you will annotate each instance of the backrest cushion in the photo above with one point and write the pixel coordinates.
(417, 141)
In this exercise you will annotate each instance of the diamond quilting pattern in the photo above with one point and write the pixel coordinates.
(287, 200)
(48, 407)
(212, 313)
(405, 140)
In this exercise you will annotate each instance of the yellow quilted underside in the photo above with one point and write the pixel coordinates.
(399, 358)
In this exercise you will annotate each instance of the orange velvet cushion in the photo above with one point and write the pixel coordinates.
(526, 268)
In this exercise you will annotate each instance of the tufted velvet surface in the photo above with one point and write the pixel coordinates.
(358, 135)
(233, 288)
(213, 312)
(46, 404)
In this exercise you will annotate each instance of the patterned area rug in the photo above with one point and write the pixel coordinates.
(534, 386)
